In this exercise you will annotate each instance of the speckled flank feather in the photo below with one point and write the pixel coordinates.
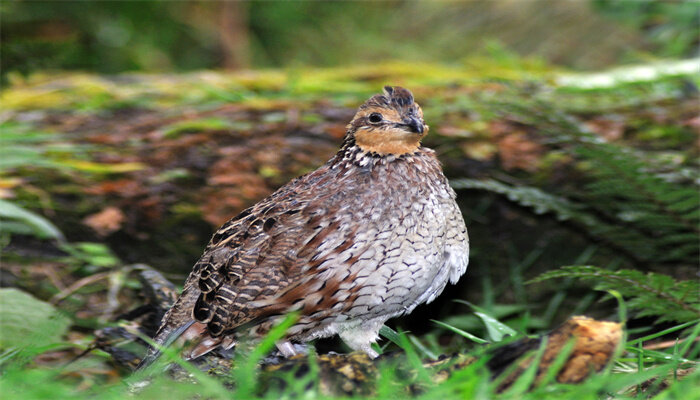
(364, 238)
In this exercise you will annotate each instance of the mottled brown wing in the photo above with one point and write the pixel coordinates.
(252, 257)
(219, 277)
(255, 263)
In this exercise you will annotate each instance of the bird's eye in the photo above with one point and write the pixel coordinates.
(375, 118)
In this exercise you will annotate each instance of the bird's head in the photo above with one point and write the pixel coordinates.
(389, 123)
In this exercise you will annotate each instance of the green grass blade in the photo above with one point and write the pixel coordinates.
(663, 333)
(461, 332)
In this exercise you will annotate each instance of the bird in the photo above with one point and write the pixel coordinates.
(368, 236)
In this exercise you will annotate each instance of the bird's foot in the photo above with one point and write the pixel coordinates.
(286, 348)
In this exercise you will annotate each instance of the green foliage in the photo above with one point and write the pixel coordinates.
(636, 200)
(649, 294)
(496, 329)
(16, 220)
(22, 146)
(109, 37)
(460, 332)
(245, 376)
(198, 125)
(647, 217)
(672, 26)
(654, 219)
(634, 196)
(120, 36)
(90, 256)
(540, 201)
(631, 201)
(21, 313)
(21, 380)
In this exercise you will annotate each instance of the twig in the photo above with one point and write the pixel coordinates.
(58, 297)
(665, 345)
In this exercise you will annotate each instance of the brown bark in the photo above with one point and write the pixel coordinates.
(233, 34)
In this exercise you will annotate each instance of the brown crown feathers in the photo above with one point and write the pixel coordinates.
(389, 123)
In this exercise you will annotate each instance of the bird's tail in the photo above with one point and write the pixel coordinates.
(164, 338)
(176, 322)
(191, 331)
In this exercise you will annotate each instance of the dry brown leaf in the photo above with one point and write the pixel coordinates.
(595, 343)
(694, 124)
(220, 204)
(518, 152)
(106, 221)
(500, 127)
(609, 128)
(124, 187)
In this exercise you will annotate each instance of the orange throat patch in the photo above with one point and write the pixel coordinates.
(390, 141)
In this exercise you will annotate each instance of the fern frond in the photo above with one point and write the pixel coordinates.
(541, 202)
(614, 234)
(627, 197)
(647, 294)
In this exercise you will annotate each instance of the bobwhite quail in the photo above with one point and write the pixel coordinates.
(366, 237)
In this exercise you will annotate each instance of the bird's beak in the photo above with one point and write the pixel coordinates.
(415, 125)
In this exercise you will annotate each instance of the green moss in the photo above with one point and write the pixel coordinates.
(194, 126)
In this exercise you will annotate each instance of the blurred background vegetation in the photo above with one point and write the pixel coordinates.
(119, 36)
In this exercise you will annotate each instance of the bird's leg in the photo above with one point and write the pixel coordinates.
(286, 348)
(370, 352)
(361, 337)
